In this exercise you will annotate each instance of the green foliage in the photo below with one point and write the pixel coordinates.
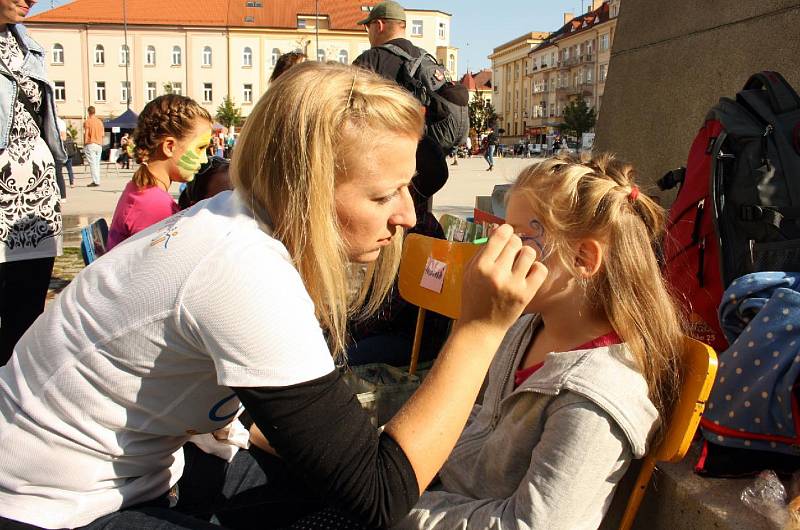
(481, 114)
(72, 132)
(168, 89)
(228, 114)
(578, 118)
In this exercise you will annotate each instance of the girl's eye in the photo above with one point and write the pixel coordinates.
(384, 200)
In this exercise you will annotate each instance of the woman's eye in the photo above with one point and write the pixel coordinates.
(387, 198)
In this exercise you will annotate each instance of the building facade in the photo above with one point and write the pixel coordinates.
(572, 63)
(229, 48)
(510, 84)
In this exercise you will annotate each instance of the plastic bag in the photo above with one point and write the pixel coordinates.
(381, 389)
(767, 495)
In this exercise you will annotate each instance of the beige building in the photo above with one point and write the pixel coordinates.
(573, 62)
(227, 48)
(511, 85)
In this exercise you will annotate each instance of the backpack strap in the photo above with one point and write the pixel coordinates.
(782, 96)
(412, 63)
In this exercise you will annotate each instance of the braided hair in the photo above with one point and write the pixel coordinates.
(167, 115)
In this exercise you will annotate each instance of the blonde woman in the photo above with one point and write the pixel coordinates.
(581, 383)
(240, 300)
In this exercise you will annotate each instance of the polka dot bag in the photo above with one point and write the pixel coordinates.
(751, 418)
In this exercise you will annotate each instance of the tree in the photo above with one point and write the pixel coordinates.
(228, 114)
(481, 114)
(578, 118)
(168, 89)
(72, 132)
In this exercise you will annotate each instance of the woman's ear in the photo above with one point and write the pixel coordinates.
(169, 146)
(589, 258)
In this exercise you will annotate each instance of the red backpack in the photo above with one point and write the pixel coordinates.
(738, 206)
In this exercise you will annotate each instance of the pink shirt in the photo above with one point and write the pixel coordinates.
(137, 209)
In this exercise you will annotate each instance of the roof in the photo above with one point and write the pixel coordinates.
(343, 14)
(483, 79)
(533, 35)
(577, 25)
(469, 82)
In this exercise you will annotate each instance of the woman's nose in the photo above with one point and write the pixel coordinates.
(405, 215)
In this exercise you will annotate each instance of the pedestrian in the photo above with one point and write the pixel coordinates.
(93, 133)
(557, 145)
(584, 380)
(171, 137)
(30, 224)
(240, 300)
(124, 159)
(468, 144)
(491, 145)
(219, 145)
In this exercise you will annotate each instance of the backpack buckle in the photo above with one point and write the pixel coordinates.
(751, 212)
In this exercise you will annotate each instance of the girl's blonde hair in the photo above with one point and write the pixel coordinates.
(167, 115)
(289, 159)
(576, 199)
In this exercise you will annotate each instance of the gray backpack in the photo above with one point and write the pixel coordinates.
(446, 102)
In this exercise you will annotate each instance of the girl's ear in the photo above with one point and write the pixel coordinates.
(169, 146)
(589, 258)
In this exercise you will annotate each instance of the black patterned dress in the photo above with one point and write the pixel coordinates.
(30, 214)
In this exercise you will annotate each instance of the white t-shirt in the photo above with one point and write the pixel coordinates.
(139, 353)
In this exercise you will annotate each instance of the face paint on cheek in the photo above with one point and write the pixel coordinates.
(190, 162)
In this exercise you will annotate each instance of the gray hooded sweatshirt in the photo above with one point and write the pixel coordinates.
(549, 454)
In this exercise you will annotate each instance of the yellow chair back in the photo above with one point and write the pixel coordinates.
(417, 249)
(699, 365)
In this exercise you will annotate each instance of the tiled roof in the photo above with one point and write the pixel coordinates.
(468, 81)
(483, 79)
(343, 14)
(577, 25)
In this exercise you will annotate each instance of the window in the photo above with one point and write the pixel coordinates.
(343, 57)
(301, 23)
(177, 88)
(247, 57)
(247, 93)
(150, 56)
(124, 55)
(552, 109)
(451, 63)
(207, 56)
(99, 90)
(99, 54)
(58, 54)
(604, 42)
(614, 10)
(249, 18)
(553, 59)
(124, 91)
(589, 75)
(60, 90)
(208, 93)
(603, 71)
(416, 28)
(442, 30)
(276, 53)
(150, 91)
(176, 56)
(253, 4)
(321, 55)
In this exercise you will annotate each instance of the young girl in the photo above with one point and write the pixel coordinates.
(171, 138)
(582, 381)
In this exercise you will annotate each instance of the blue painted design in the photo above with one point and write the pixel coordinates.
(212, 414)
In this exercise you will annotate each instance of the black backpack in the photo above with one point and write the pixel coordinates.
(446, 102)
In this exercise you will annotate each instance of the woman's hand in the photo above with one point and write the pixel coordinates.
(500, 281)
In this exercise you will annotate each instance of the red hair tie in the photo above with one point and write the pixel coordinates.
(634, 194)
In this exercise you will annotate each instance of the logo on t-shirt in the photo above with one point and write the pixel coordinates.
(169, 230)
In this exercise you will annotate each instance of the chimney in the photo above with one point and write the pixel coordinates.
(568, 17)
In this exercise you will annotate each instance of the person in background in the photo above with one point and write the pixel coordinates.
(30, 144)
(171, 138)
(588, 374)
(242, 300)
(286, 61)
(219, 145)
(124, 159)
(93, 133)
(491, 145)
(211, 179)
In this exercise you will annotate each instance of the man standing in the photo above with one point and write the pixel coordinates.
(93, 145)
(386, 24)
(491, 144)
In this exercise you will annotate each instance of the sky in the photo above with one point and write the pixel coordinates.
(476, 29)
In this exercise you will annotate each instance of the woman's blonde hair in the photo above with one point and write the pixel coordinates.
(167, 115)
(289, 159)
(597, 198)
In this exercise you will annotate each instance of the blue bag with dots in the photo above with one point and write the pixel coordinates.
(752, 420)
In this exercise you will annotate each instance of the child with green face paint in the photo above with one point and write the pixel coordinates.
(171, 139)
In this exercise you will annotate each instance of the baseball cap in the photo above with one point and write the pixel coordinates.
(387, 10)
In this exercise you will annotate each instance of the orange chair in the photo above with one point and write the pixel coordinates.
(699, 363)
(416, 251)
